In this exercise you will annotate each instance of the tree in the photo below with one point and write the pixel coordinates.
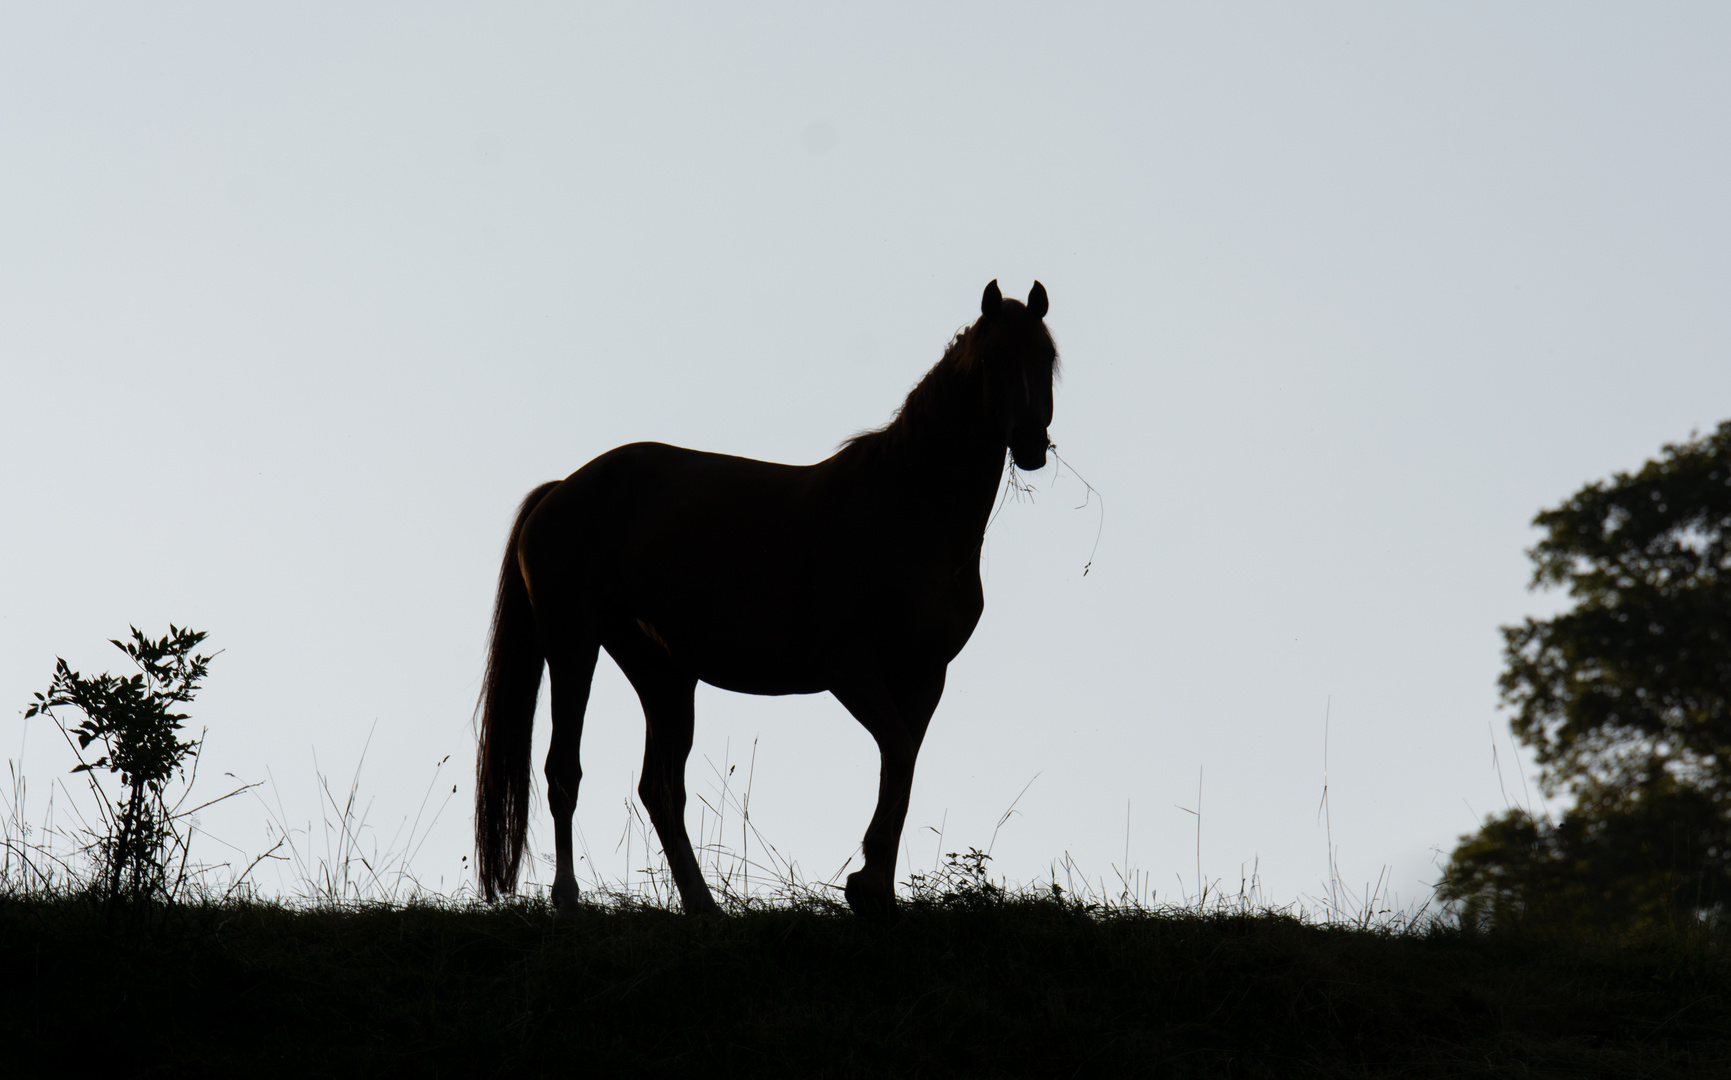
(1625, 700)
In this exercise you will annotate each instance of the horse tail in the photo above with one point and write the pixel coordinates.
(507, 708)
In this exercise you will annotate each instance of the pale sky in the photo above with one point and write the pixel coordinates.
(295, 306)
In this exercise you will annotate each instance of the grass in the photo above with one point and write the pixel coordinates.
(965, 982)
(364, 972)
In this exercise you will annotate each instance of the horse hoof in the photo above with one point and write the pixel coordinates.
(866, 901)
(565, 896)
(698, 901)
(565, 907)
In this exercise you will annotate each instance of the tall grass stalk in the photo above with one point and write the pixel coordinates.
(346, 860)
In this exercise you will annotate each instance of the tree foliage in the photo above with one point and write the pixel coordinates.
(1625, 698)
(1621, 860)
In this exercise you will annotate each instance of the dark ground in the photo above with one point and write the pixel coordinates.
(968, 986)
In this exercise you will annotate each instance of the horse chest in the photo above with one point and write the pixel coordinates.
(960, 616)
(934, 608)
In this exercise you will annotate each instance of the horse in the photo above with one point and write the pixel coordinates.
(859, 575)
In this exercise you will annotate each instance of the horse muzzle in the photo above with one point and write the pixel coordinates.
(1029, 452)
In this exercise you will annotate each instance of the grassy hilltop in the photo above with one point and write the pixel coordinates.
(969, 982)
(124, 965)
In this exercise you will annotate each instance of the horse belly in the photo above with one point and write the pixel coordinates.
(747, 625)
(749, 660)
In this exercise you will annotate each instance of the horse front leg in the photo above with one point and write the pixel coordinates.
(896, 718)
(871, 890)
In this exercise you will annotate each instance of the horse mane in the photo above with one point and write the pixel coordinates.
(917, 416)
(920, 419)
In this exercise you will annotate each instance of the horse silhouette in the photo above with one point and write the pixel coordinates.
(859, 575)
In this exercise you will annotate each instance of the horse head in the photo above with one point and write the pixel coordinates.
(1020, 360)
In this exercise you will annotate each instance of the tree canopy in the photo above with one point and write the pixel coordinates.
(1625, 699)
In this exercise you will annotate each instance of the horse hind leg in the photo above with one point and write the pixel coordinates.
(668, 712)
(573, 670)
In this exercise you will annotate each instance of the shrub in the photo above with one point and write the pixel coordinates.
(141, 852)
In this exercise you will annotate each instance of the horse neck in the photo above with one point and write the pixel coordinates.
(945, 453)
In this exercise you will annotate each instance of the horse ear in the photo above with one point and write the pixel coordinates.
(1037, 300)
(993, 301)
